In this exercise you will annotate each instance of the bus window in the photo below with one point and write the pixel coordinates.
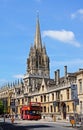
(26, 112)
(34, 112)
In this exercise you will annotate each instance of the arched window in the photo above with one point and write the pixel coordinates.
(42, 87)
(44, 108)
(44, 98)
(52, 96)
(68, 93)
(36, 99)
(39, 60)
(41, 99)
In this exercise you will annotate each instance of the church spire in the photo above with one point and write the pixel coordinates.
(38, 61)
(37, 40)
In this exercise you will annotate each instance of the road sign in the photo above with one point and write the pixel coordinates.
(74, 94)
(55, 103)
(82, 120)
(12, 104)
(76, 101)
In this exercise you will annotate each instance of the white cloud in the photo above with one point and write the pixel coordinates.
(78, 13)
(73, 16)
(63, 36)
(18, 76)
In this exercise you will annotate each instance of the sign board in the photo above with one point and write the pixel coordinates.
(74, 94)
(82, 120)
(55, 103)
(12, 104)
(76, 101)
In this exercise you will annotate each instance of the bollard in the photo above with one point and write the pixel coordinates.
(4, 118)
(54, 118)
(12, 119)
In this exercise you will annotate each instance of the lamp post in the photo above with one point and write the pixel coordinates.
(81, 111)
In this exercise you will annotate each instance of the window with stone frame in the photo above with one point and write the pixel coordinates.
(44, 108)
(36, 99)
(58, 107)
(42, 87)
(18, 101)
(41, 98)
(54, 108)
(80, 86)
(57, 95)
(22, 100)
(39, 60)
(68, 93)
(73, 106)
(44, 98)
(61, 97)
(80, 107)
(68, 108)
(51, 108)
(48, 108)
(52, 96)
(36, 63)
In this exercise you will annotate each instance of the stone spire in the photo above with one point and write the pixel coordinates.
(38, 61)
(37, 40)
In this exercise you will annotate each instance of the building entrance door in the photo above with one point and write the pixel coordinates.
(63, 106)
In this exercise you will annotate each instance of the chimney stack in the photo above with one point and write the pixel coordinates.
(65, 70)
(58, 75)
(55, 78)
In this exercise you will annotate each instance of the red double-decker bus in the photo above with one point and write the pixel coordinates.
(32, 111)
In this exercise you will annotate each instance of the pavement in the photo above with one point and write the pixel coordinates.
(63, 123)
(67, 123)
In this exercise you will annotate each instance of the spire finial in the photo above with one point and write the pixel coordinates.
(37, 40)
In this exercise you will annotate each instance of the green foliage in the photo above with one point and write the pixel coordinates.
(1, 107)
(5, 109)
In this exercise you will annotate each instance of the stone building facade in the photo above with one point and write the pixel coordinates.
(55, 94)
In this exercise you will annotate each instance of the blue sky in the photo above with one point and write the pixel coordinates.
(61, 24)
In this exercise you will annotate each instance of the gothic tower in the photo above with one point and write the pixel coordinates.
(38, 61)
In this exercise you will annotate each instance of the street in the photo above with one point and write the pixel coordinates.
(34, 125)
(43, 126)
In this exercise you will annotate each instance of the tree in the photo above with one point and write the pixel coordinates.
(1, 107)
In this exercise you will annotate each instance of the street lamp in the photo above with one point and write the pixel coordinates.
(81, 110)
(80, 107)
